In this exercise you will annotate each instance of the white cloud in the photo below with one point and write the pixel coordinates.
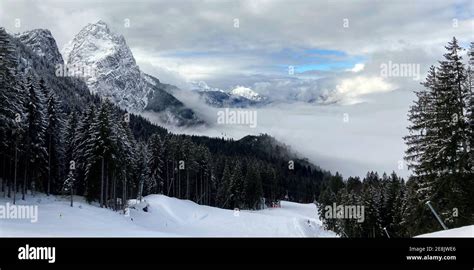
(352, 89)
(357, 67)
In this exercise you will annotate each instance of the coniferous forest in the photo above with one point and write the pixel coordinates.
(58, 138)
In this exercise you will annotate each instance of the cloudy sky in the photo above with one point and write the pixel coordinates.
(336, 48)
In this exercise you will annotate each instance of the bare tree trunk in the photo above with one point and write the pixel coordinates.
(49, 166)
(124, 193)
(102, 185)
(195, 189)
(115, 191)
(9, 182)
(106, 185)
(140, 190)
(179, 183)
(171, 187)
(24, 179)
(187, 184)
(167, 178)
(14, 177)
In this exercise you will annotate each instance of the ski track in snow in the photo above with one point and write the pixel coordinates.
(166, 217)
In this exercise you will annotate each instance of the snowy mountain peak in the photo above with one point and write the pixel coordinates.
(41, 42)
(115, 74)
(112, 73)
(95, 42)
(246, 93)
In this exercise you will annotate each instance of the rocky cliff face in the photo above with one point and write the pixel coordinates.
(114, 74)
(41, 42)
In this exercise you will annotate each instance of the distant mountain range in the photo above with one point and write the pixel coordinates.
(110, 71)
(239, 97)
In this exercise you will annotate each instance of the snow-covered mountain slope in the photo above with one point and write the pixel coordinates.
(41, 42)
(466, 231)
(222, 99)
(114, 74)
(165, 217)
(246, 93)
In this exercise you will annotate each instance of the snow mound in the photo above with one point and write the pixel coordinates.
(466, 231)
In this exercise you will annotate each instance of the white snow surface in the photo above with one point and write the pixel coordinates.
(466, 231)
(166, 217)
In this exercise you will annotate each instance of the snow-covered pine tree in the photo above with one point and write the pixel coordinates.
(236, 188)
(188, 153)
(171, 160)
(80, 146)
(12, 112)
(253, 190)
(54, 127)
(223, 187)
(10, 102)
(470, 114)
(421, 153)
(352, 196)
(451, 187)
(69, 136)
(34, 139)
(155, 161)
(100, 153)
(470, 119)
(438, 144)
(372, 200)
(125, 157)
(68, 186)
(194, 180)
(452, 109)
(203, 161)
(142, 169)
(393, 203)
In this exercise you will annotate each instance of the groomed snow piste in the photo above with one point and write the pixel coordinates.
(466, 231)
(166, 217)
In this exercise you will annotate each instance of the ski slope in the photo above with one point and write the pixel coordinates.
(466, 231)
(166, 217)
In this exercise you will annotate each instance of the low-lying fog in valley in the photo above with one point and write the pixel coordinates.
(350, 139)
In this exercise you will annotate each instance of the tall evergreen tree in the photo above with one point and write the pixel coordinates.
(236, 188)
(80, 146)
(155, 161)
(12, 114)
(439, 140)
(253, 190)
(69, 136)
(34, 140)
(100, 154)
(142, 170)
(54, 127)
(223, 188)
